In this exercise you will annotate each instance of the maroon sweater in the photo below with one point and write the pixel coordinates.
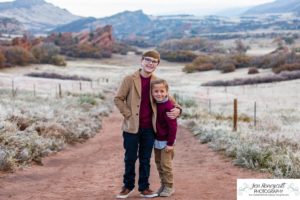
(166, 127)
(145, 109)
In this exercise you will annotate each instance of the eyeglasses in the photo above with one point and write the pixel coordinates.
(149, 60)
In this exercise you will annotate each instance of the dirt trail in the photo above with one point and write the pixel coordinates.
(93, 170)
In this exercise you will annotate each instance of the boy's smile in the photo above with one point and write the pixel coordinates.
(159, 92)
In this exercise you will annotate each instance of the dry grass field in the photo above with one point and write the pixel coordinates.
(271, 143)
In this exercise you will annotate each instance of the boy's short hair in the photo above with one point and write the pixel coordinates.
(152, 54)
(160, 81)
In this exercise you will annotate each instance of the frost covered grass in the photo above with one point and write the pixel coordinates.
(272, 145)
(32, 127)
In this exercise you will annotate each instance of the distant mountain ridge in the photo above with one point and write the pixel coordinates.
(36, 15)
(137, 28)
(122, 23)
(279, 6)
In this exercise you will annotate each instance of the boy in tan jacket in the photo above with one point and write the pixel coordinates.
(135, 103)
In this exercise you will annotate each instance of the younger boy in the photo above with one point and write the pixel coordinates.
(165, 137)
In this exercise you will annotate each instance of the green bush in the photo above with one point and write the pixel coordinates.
(58, 60)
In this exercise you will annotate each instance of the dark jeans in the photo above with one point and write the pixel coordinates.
(140, 146)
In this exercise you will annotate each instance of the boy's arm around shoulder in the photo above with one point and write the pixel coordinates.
(172, 127)
(176, 105)
(121, 97)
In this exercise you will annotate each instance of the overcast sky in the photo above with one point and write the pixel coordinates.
(102, 8)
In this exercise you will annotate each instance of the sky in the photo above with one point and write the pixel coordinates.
(103, 8)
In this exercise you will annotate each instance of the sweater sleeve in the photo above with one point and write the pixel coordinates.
(172, 127)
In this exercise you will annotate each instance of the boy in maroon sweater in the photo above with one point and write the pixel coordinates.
(165, 137)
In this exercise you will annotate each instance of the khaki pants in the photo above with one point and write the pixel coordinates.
(163, 162)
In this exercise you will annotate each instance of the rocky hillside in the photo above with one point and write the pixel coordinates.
(11, 26)
(279, 6)
(36, 15)
(123, 24)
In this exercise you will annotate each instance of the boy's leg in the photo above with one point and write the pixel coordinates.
(157, 154)
(145, 150)
(166, 165)
(131, 148)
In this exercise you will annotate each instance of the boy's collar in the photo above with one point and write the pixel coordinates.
(163, 101)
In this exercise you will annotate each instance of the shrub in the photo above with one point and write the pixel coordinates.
(18, 56)
(189, 68)
(89, 99)
(201, 59)
(284, 76)
(57, 76)
(178, 56)
(270, 60)
(58, 60)
(45, 52)
(206, 67)
(227, 67)
(2, 60)
(240, 60)
(253, 70)
(286, 67)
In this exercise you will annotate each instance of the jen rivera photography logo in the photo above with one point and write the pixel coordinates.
(265, 189)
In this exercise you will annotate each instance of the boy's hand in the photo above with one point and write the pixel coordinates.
(174, 113)
(169, 148)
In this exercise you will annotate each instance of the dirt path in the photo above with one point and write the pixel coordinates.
(93, 170)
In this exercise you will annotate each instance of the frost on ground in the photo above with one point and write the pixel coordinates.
(271, 145)
(32, 127)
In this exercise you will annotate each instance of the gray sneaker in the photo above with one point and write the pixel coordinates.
(167, 191)
(160, 189)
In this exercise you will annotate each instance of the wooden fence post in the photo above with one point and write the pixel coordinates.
(80, 87)
(235, 115)
(59, 91)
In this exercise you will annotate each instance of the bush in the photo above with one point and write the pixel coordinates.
(44, 53)
(17, 56)
(58, 76)
(206, 67)
(58, 60)
(286, 67)
(227, 67)
(2, 60)
(241, 60)
(284, 76)
(178, 56)
(253, 70)
(189, 68)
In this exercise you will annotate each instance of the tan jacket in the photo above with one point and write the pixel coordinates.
(128, 101)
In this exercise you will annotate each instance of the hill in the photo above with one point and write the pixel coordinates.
(279, 6)
(36, 15)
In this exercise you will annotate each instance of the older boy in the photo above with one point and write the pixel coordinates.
(134, 101)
